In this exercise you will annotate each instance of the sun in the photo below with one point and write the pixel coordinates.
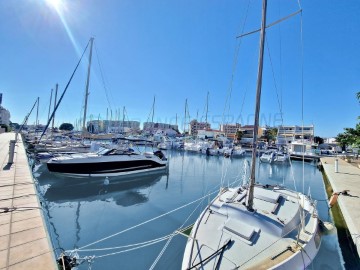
(56, 4)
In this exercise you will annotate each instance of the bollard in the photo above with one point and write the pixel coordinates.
(336, 165)
(11, 151)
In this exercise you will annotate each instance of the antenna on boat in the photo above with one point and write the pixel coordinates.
(257, 108)
(87, 85)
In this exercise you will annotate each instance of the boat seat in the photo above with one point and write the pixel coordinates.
(241, 229)
(216, 205)
(228, 196)
(266, 195)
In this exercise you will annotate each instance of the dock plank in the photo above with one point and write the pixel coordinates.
(25, 242)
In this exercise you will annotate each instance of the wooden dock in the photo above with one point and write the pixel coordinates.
(347, 178)
(24, 241)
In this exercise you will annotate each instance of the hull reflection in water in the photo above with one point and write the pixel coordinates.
(123, 190)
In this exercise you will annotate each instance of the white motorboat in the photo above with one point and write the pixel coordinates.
(108, 162)
(235, 151)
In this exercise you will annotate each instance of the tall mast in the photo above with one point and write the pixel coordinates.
(87, 85)
(257, 108)
(123, 120)
(50, 103)
(185, 115)
(152, 118)
(55, 101)
(37, 113)
(207, 106)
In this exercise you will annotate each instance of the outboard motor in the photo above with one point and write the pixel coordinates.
(160, 155)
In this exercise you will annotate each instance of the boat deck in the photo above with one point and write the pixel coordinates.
(24, 241)
(347, 178)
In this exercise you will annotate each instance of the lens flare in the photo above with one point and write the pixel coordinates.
(60, 7)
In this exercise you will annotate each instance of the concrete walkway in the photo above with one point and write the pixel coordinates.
(24, 241)
(347, 178)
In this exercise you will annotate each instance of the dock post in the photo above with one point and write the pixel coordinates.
(336, 165)
(11, 151)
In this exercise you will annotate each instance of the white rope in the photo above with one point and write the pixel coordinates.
(126, 246)
(145, 222)
(132, 247)
(162, 251)
(171, 237)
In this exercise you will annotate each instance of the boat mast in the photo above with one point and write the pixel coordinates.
(185, 115)
(87, 85)
(50, 104)
(257, 108)
(123, 120)
(152, 117)
(37, 114)
(55, 101)
(207, 106)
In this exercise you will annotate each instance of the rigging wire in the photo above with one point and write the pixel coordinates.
(275, 84)
(235, 62)
(173, 234)
(136, 246)
(62, 95)
(143, 223)
(102, 78)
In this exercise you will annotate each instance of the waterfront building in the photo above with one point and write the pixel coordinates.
(248, 134)
(230, 129)
(209, 133)
(195, 126)
(288, 134)
(152, 127)
(4, 116)
(111, 126)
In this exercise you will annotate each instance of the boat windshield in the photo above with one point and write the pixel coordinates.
(103, 151)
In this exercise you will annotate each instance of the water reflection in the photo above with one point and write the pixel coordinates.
(124, 191)
(81, 211)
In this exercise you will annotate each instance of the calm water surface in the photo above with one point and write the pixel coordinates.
(123, 213)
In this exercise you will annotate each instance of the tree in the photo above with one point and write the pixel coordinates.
(66, 126)
(318, 140)
(239, 135)
(270, 134)
(351, 137)
(15, 126)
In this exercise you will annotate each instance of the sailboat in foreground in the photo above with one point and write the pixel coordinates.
(255, 226)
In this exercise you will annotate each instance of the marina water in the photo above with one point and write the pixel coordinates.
(114, 219)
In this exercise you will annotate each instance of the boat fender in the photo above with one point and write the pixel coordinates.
(326, 227)
(333, 199)
(335, 195)
(106, 181)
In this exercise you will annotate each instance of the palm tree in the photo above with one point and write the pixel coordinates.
(358, 96)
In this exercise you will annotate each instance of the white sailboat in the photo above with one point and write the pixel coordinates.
(255, 226)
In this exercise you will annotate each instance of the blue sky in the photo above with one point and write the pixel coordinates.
(177, 50)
